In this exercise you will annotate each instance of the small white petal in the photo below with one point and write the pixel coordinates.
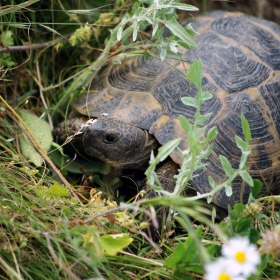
(241, 246)
(219, 268)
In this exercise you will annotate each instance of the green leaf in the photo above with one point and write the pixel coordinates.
(213, 250)
(246, 177)
(193, 143)
(262, 217)
(6, 58)
(254, 235)
(167, 149)
(177, 256)
(206, 152)
(225, 228)
(155, 29)
(78, 166)
(185, 46)
(163, 52)
(244, 226)
(190, 101)
(209, 198)
(114, 243)
(138, 12)
(41, 131)
(255, 189)
(119, 33)
(149, 2)
(202, 118)
(243, 160)
(185, 124)
(7, 38)
(179, 6)
(266, 261)
(195, 73)
(191, 30)
(237, 212)
(211, 182)
(246, 128)
(59, 190)
(135, 31)
(200, 132)
(212, 134)
(205, 95)
(186, 256)
(226, 166)
(54, 191)
(242, 145)
(157, 188)
(228, 190)
(179, 31)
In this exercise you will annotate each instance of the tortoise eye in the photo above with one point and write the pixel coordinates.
(109, 139)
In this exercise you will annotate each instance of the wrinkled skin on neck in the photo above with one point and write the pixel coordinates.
(119, 144)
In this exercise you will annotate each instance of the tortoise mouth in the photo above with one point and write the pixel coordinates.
(127, 164)
(119, 163)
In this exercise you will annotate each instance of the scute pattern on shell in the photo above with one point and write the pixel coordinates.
(237, 63)
(241, 63)
(135, 76)
(265, 49)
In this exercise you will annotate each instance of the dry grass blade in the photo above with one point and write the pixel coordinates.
(40, 150)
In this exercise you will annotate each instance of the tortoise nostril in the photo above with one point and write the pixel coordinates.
(88, 133)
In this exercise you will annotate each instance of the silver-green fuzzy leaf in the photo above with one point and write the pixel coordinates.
(41, 131)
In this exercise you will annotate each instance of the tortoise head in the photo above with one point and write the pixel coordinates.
(117, 143)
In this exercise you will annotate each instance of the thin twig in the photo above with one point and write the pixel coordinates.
(6, 49)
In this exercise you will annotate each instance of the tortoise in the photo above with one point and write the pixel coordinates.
(136, 104)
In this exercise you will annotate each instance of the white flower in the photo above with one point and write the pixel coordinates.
(242, 256)
(221, 270)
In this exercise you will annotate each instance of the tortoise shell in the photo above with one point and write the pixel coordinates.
(241, 64)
